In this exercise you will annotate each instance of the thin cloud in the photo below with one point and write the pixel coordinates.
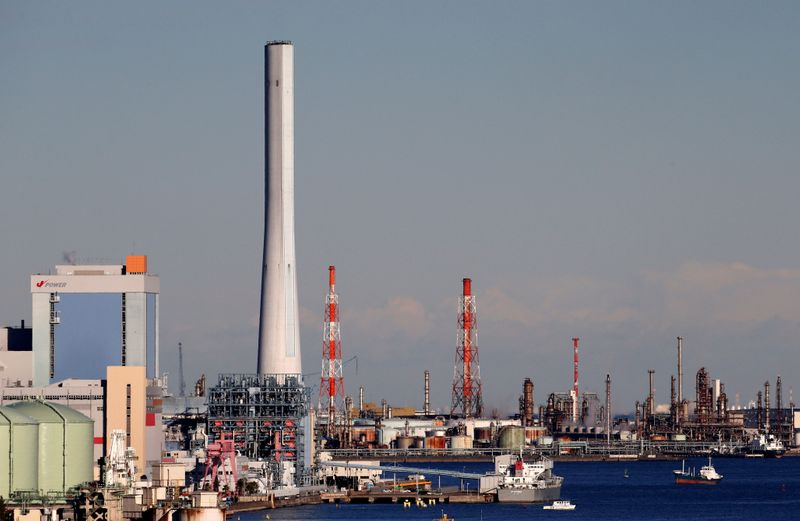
(399, 317)
(728, 292)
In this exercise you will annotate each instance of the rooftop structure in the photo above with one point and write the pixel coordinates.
(138, 312)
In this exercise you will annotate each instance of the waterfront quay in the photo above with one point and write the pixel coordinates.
(408, 497)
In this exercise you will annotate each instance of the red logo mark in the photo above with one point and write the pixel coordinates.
(40, 283)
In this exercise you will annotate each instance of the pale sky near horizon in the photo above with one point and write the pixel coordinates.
(624, 172)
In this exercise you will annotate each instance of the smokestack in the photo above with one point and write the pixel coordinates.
(766, 407)
(575, 364)
(608, 409)
(278, 329)
(527, 403)
(348, 419)
(575, 407)
(680, 370)
(779, 419)
(650, 393)
(361, 400)
(759, 412)
(673, 407)
(426, 407)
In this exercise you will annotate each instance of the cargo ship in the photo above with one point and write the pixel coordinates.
(707, 476)
(521, 482)
(767, 445)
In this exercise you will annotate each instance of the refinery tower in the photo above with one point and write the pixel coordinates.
(278, 330)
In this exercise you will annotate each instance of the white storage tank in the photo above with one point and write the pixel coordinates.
(460, 442)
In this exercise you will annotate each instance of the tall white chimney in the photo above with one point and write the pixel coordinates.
(278, 329)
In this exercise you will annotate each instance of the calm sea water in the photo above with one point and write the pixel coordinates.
(751, 490)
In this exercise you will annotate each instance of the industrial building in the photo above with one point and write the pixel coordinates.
(138, 311)
(16, 356)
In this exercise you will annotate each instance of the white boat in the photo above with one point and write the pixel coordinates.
(560, 505)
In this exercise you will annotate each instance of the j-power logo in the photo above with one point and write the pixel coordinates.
(46, 284)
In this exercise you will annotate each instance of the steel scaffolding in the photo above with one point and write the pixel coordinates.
(264, 413)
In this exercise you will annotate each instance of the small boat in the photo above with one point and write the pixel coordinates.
(560, 505)
(625, 475)
(445, 518)
(708, 475)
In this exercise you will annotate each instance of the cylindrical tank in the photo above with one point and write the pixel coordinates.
(199, 514)
(419, 442)
(460, 442)
(19, 441)
(483, 434)
(403, 442)
(364, 435)
(65, 445)
(435, 442)
(511, 437)
(435, 432)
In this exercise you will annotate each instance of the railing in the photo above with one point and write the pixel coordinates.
(571, 448)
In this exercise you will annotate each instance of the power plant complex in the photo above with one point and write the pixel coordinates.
(117, 444)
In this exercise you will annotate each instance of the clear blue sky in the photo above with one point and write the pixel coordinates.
(623, 172)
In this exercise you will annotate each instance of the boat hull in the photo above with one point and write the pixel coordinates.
(528, 495)
(695, 481)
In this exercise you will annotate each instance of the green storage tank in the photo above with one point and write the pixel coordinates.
(511, 437)
(19, 441)
(66, 440)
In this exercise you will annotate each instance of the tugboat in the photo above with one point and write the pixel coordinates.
(521, 482)
(767, 445)
(708, 475)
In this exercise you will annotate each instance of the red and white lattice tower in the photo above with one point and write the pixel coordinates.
(467, 392)
(331, 385)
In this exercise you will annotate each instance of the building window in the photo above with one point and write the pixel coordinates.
(128, 415)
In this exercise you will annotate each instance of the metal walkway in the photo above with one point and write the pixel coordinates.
(410, 470)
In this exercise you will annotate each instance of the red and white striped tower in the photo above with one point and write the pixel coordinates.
(467, 391)
(331, 385)
(574, 393)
